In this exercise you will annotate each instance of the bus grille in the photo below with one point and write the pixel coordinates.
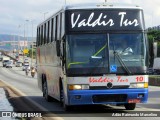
(104, 87)
(109, 98)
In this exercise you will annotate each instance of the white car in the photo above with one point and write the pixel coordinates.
(9, 64)
(26, 66)
(26, 60)
(18, 64)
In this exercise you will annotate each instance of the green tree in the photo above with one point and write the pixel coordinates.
(30, 53)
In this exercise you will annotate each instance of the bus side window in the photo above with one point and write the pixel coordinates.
(45, 31)
(52, 23)
(48, 31)
(56, 28)
(41, 41)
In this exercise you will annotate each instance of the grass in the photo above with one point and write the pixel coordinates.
(154, 76)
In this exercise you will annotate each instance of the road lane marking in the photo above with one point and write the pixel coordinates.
(20, 93)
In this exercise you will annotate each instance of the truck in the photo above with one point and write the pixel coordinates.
(156, 65)
(5, 59)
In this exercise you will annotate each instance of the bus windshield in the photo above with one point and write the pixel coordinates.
(94, 54)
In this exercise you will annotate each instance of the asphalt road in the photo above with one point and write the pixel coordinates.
(28, 85)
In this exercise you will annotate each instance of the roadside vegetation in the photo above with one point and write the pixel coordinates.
(30, 53)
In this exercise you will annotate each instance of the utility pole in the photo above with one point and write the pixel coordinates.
(27, 33)
(32, 46)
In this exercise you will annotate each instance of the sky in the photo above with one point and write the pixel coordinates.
(21, 17)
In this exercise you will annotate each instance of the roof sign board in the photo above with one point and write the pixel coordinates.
(103, 19)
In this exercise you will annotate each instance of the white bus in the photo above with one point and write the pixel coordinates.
(78, 61)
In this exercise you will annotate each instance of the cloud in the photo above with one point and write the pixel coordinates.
(16, 12)
(151, 11)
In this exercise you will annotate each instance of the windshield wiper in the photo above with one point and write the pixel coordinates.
(122, 63)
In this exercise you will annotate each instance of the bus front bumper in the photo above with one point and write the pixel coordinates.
(116, 96)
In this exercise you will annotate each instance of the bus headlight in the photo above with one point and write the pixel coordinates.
(139, 85)
(78, 87)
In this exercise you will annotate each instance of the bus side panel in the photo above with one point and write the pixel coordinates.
(52, 71)
(40, 61)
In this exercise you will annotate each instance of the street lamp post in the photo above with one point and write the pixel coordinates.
(31, 42)
(32, 45)
(23, 46)
(27, 34)
(19, 26)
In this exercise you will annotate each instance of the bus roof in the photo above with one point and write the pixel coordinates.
(95, 6)
(101, 5)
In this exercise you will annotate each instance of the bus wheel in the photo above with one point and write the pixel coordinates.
(45, 92)
(130, 106)
(66, 107)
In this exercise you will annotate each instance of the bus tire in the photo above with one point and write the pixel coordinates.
(45, 92)
(66, 107)
(130, 106)
(62, 99)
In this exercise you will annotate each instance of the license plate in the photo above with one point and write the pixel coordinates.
(134, 101)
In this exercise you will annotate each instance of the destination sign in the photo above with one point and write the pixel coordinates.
(95, 20)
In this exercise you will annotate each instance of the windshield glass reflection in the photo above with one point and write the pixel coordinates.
(87, 51)
(130, 48)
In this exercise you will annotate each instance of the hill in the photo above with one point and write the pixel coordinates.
(5, 37)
